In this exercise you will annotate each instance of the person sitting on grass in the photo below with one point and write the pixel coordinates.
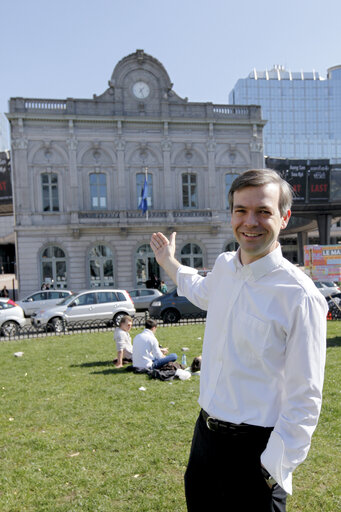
(123, 341)
(146, 351)
(196, 365)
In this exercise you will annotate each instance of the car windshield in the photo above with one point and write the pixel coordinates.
(67, 299)
(330, 284)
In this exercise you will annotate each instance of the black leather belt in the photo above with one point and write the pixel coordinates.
(227, 427)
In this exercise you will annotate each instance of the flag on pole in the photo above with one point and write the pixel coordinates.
(144, 197)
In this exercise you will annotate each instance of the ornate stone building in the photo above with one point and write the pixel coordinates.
(79, 166)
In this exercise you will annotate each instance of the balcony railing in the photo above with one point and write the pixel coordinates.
(156, 215)
(89, 107)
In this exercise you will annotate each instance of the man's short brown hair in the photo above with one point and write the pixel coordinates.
(258, 178)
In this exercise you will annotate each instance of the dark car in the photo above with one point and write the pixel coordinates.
(142, 297)
(170, 308)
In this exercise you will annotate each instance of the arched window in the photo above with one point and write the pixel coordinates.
(53, 267)
(140, 177)
(147, 269)
(101, 266)
(49, 185)
(98, 191)
(189, 191)
(229, 178)
(191, 256)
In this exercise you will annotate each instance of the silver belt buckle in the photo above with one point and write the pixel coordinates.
(208, 422)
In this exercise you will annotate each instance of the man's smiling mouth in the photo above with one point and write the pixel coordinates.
(252, 235)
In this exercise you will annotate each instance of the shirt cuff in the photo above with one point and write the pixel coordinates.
(272, 460)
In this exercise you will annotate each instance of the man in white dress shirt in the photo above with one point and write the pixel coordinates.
(263, 357)
(147, 353)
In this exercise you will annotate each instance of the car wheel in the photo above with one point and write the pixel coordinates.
(117, 318)
(9, 328)
(57, 324)
(171, 316)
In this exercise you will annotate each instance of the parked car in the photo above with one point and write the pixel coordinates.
(170, 308)
(102, 304)
(334, 305)
(143, 297)
(327, 288)
(11, 317)
(42, 299)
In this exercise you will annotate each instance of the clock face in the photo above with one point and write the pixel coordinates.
(141, 90)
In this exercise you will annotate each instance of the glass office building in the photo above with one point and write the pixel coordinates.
(302, 109)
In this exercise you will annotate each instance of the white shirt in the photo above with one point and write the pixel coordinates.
(145, 349)
(123, 340)
(264, 351)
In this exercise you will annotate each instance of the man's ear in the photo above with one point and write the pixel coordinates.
(285, 219)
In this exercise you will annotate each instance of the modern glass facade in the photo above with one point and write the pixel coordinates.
(303, 111)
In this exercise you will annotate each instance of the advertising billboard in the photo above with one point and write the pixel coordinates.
(310, 179)
(323, 262)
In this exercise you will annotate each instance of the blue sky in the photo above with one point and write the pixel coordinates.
(69, 48)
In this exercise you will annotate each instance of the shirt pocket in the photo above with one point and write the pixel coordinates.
(251, 336)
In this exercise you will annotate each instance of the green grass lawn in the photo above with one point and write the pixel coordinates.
(76, 434)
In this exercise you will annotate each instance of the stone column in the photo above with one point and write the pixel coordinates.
(73, 189)
(256, 154)
(211, 200)
(324, 223)
(166, 146)
(21, 181)
(121, 185)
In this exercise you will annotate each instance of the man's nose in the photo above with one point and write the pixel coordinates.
(251, 219)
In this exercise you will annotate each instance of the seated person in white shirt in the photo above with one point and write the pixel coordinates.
(263, 356)
(146, 351)
(123, 341)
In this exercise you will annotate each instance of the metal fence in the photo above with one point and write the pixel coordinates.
(93, 326)
(63, 328)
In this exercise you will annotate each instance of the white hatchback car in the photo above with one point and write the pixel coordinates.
(327, 288)
(98, 304)
(42, 299)
(12, 317)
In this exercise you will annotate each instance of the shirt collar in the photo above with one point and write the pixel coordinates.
(261, 267)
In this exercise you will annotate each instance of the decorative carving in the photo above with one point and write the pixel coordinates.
(143, 151)
(20, 143)
(140, 56)
(256, 147)
(120, 144)
(166, 144)
(72, 143)
(211, 145)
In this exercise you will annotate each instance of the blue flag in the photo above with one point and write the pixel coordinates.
(144, 197)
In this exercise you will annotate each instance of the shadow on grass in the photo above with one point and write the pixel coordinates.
(99, 364)
(92, 364)
(334, 342)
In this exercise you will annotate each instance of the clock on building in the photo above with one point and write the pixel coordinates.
(141, 90)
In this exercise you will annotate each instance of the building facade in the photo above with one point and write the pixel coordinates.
(79, 166)
(302, 110)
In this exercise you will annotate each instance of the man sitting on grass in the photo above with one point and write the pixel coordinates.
(146, 351)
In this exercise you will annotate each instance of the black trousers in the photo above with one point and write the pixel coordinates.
(224, 472)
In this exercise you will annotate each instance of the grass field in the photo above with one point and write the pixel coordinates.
(76, 434)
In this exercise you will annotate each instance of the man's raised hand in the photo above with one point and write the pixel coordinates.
(164, 251)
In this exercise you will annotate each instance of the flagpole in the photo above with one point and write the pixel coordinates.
(146, 178)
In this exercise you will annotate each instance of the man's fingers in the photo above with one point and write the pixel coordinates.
(172, 238)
